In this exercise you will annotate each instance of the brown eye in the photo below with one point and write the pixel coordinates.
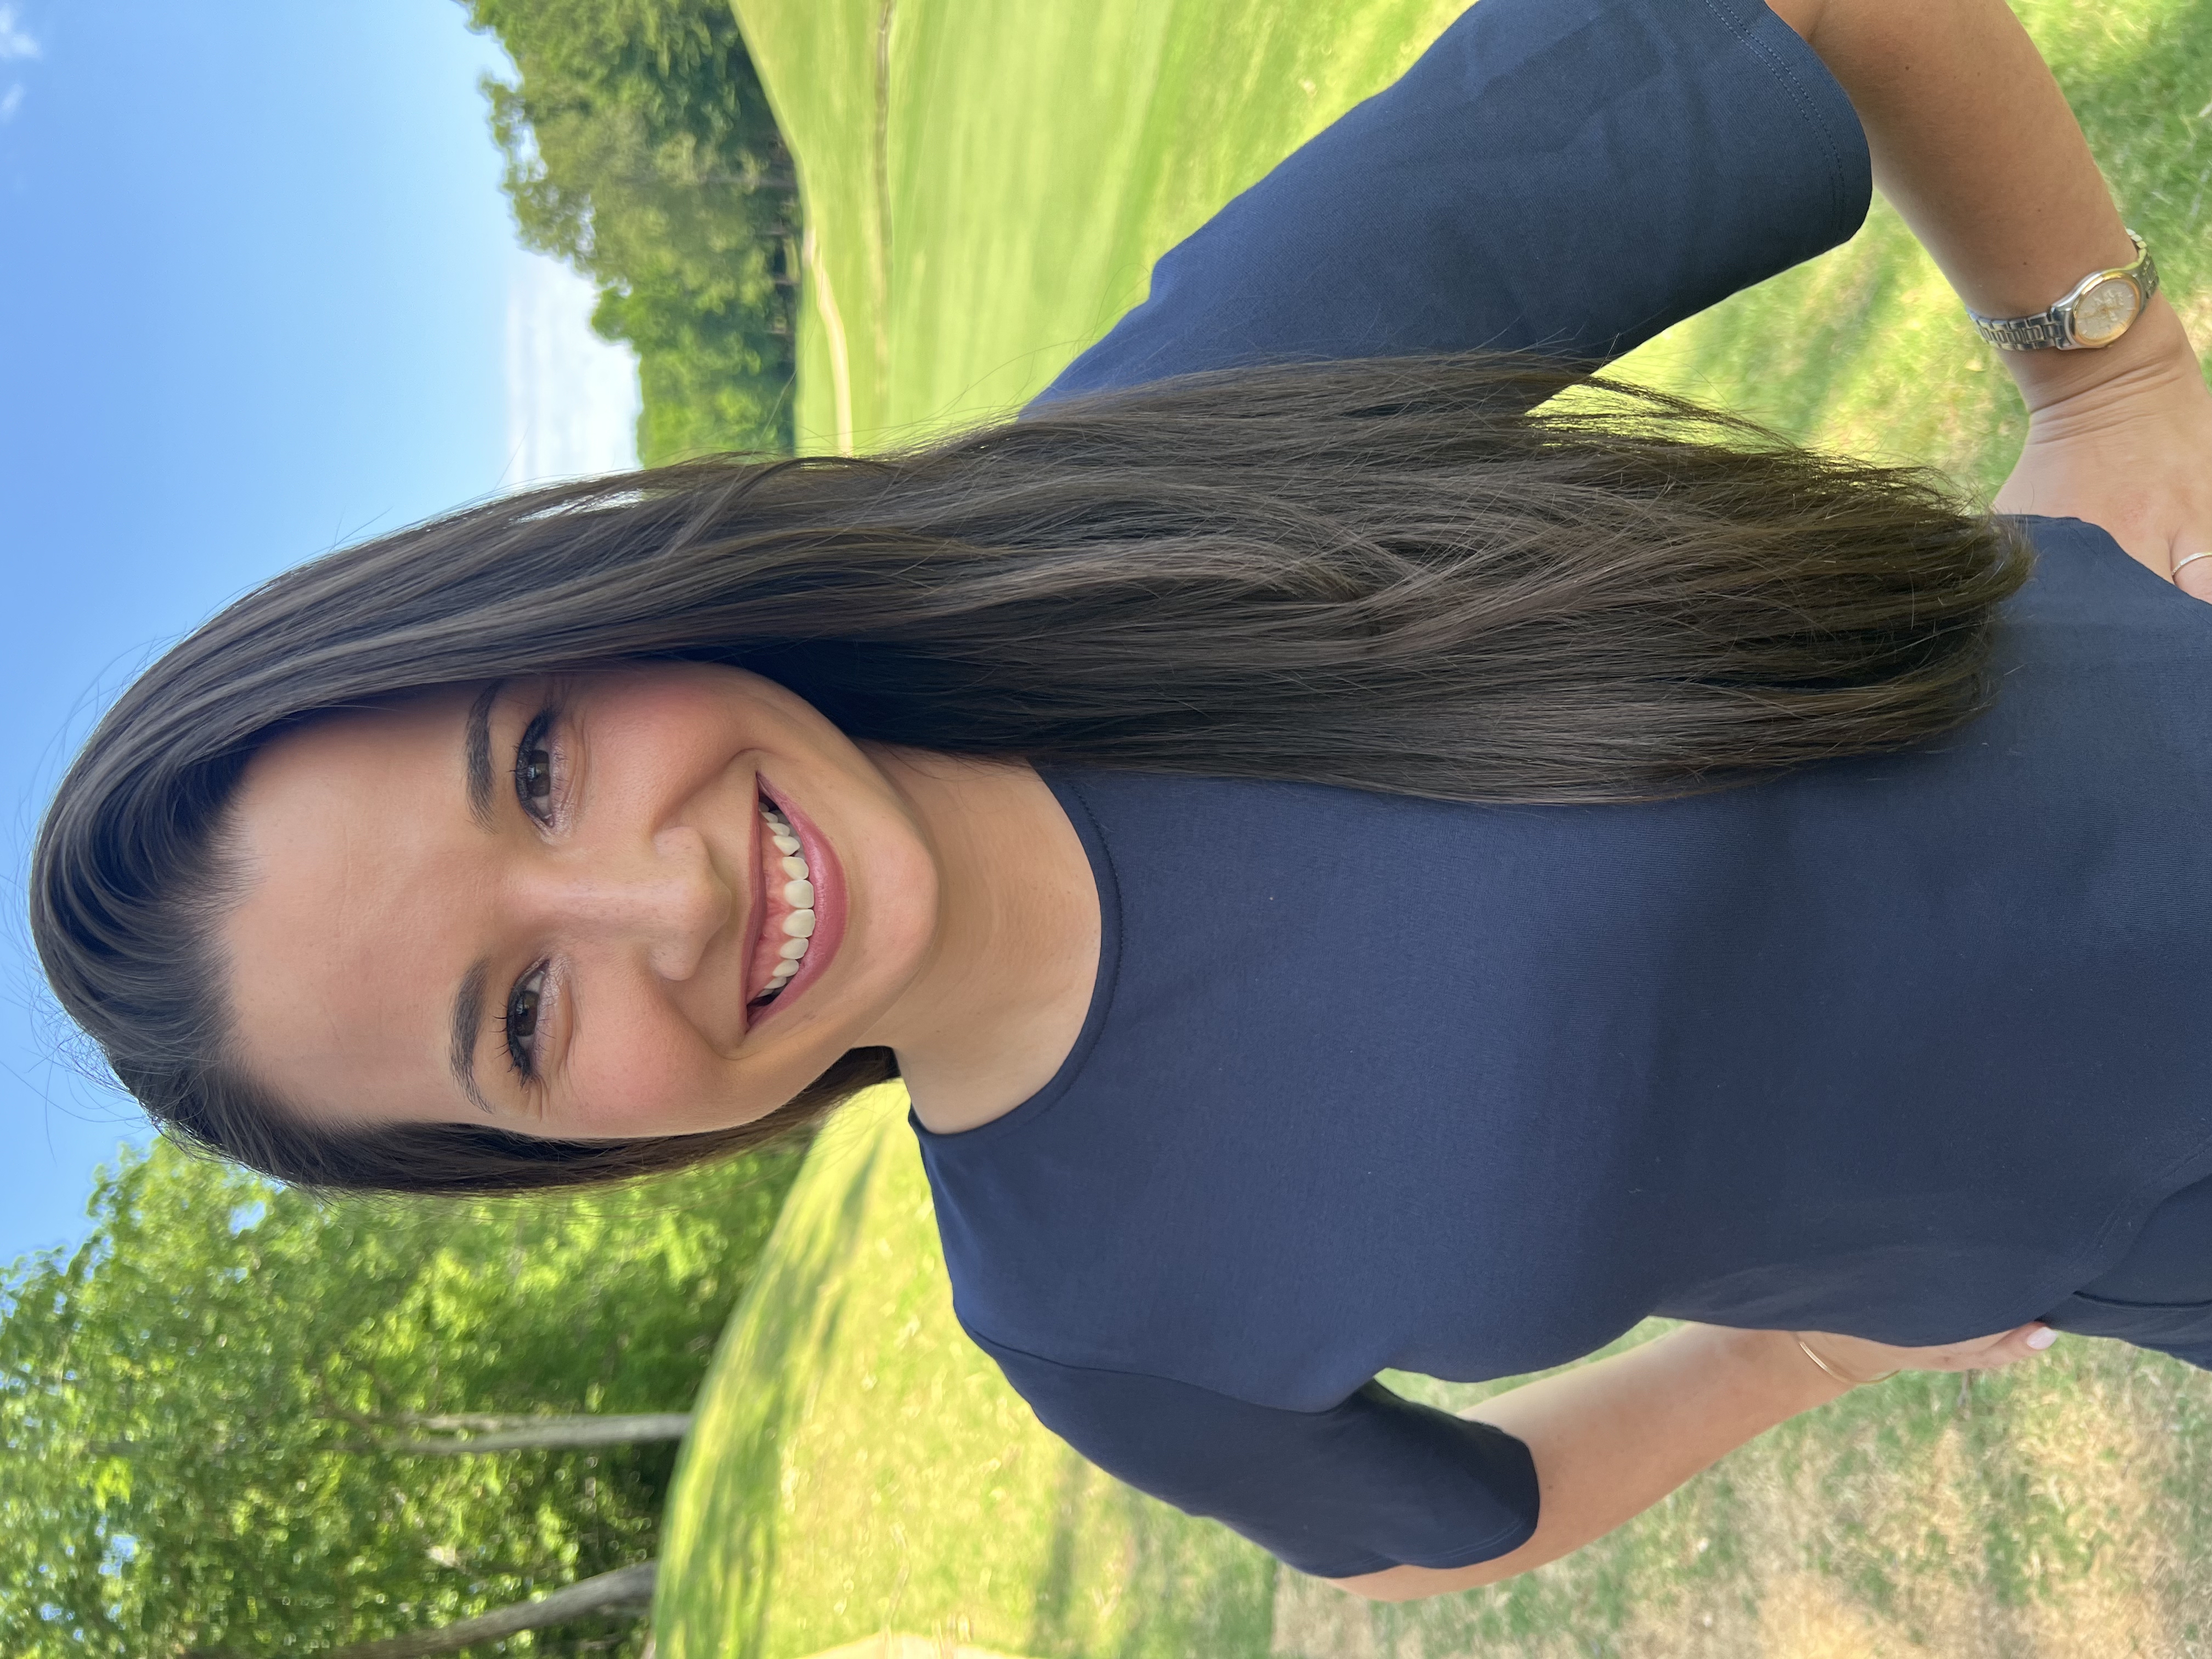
(522, 1018)
(534, 768)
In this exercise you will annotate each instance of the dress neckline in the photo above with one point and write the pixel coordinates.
(1068, 791)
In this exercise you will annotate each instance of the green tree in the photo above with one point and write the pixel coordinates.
(196, 1407)
(640, 148)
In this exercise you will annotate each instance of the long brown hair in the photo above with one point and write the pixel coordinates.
(1430, 576)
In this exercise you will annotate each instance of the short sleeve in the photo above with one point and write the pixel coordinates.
(1374, 1482)
(1564, 176)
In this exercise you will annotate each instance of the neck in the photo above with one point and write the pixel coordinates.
(1002, 994)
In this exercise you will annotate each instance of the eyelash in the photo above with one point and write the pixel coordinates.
(518, 1019)
(519, 1022)
(533, 742)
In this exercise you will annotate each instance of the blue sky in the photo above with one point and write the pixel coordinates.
(260, 296)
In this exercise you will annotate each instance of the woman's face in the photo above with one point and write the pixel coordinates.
(562, 903)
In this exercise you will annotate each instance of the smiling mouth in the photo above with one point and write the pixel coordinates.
(787, 919)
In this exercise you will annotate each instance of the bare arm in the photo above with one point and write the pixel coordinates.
(1973, 144)
(1611, 1439)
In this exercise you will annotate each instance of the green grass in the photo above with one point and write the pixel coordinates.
(1002, 202)
(1867, 349)
(858, 1467)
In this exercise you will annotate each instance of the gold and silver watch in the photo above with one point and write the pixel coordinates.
(2096, 311)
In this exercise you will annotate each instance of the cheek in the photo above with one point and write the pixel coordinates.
(659, 1080)
(641, 1068)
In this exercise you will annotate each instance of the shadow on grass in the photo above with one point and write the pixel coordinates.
(1867, 349)
(1050, 1634)
(1202, 1589)
(719, 1551)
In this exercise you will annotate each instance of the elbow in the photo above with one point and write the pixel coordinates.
(1417, 1583)
(1410, 1584)
(1367, 1589)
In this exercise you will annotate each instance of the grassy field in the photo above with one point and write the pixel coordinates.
(987, 182)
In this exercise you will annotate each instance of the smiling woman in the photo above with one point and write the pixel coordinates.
(1253, 575)
(1418, 860)
(648, 895)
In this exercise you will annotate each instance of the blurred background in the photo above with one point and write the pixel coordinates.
(263, 296)
(274, 277)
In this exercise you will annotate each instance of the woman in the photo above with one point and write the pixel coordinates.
(1353, 872)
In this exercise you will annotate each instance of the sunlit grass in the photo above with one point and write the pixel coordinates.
(858, 1467)
(1004, 200)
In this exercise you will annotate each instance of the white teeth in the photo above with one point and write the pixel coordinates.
(798, 892)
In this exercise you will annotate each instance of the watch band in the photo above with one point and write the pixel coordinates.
(2057, 329)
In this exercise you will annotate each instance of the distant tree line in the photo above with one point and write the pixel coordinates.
(640, 148)
(237, 1422)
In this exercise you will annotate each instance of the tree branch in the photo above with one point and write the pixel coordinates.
(495, 1434)
(499, 1434)
(626, 1588)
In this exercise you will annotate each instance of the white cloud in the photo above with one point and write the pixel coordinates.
(571, 398)
(10, 101)
(13, 42)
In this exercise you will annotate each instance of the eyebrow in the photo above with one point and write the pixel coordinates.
(476, 754)
(468, 1020)
(468, 1000)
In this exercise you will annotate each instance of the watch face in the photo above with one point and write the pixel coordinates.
(2104, 312)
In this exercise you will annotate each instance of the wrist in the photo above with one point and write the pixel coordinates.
(2153, 354)
(1795, 1383)
(1832, 1356)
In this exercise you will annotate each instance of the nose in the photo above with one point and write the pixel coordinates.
(664, 895)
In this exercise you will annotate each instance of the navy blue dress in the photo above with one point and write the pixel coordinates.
(1908, 1045)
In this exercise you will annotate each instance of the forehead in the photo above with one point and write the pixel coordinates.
(359, 868)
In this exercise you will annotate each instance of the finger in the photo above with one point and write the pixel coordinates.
(2025, 1343)
(2195, 579)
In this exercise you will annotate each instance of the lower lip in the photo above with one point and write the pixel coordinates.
(822, 869)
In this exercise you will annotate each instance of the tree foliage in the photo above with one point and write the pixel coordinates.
(173, 1396)
(639, 147)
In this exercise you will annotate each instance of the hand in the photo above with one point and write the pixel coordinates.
(1860, 1360)
(2123, 438)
